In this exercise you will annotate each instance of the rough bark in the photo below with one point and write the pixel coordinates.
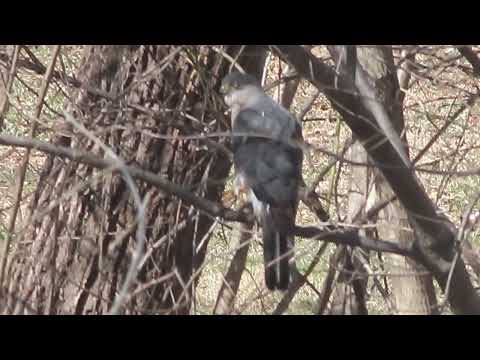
(75, 249)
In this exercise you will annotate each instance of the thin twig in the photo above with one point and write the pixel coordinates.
(299, 280)
(24, 163)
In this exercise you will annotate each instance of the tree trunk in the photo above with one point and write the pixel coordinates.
(412, 294)
(349, 296)
(75, 250)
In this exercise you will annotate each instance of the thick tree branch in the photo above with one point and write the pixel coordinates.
(353, 239)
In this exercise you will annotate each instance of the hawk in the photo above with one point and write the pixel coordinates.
(268, 165)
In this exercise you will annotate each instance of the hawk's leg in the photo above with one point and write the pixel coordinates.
(246, 197)
(241, 190)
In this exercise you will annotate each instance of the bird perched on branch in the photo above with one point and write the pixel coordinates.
(268, 160)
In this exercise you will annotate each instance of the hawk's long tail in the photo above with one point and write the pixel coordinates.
(277, 246)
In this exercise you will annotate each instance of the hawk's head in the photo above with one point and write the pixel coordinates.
(237, 87)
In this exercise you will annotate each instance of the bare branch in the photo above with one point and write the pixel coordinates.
(352, 238)
(231, 282)
(87, 158)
